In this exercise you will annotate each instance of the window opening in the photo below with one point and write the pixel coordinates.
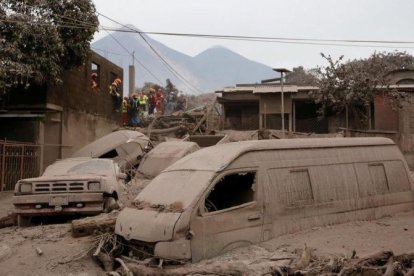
(95, 76)
(231, 190)
(109, 154)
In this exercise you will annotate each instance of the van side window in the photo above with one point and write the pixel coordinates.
(109, 154)
(378, 178)
(398, 179)
(300, 190)
(294, 186)
(231, 190)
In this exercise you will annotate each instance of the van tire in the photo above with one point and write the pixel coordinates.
(23, 221)
(110, 204)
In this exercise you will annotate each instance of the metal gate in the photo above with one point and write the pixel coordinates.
(18, 160)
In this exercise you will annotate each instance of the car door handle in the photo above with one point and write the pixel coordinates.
(254, 217)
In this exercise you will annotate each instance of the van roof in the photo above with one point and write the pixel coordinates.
(216, 158)
(111, 141)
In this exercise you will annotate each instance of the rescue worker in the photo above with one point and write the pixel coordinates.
(152, 101)
(125, 107)
(114, 90)
(143, 99)
(94, 82)
(160, 102)
(134, 111)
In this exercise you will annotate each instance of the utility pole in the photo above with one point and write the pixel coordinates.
(132, 75)
(282, 104)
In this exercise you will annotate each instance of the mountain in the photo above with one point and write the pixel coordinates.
(210, 70)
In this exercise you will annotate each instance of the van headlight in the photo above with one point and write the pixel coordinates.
(94, 186)
(25, 188)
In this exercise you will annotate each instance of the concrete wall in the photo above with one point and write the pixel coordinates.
(80, 128)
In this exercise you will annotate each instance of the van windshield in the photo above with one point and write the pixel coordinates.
(175, 188)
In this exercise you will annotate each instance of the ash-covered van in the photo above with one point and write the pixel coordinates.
(237, 194)
(163, 155)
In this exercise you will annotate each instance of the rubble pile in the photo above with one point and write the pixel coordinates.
(299, 262)
(199, 120)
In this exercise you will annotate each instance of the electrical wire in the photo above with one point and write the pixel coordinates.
(298, 41)
(109, 52)
(139, 62)
(166, 63)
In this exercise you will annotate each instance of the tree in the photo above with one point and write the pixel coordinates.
(40, 38)
(355, 84)
(300, 76)
(170, 87)
(147, 85)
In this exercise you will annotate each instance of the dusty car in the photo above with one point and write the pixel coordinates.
(69, 186)
(125, 147)
(242, 193)
(163, 155)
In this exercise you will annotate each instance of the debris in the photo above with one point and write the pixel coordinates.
(102, 223)
(39, 251)
(305, 258)
(125, 267)
(9, 220)
(5, 251)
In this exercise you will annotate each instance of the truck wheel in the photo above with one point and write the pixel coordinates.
(23, 221)
(110, 204)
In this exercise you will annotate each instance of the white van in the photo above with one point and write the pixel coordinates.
(238, 194)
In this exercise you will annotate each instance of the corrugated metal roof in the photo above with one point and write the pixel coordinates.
(267, 88)
(275, 89)
(218, 157)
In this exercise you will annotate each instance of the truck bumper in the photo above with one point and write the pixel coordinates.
(53, 204)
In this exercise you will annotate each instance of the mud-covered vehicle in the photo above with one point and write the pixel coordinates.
(125, 147)
(70, 186)
(163, 155)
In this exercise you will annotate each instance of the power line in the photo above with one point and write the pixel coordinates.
(84, 23)
(298, 41)
(123, 47)
(169, 67)
(109, 52)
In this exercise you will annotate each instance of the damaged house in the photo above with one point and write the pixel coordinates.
(52, 122)
(255, 106)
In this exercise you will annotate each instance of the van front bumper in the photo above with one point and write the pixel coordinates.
(52, 204)
(174, 250)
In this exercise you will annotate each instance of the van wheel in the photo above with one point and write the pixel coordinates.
(110, 204)
(23, 221)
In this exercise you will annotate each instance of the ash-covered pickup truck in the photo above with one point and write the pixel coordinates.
(70, 186)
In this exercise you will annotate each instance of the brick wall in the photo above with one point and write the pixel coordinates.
(76, 93)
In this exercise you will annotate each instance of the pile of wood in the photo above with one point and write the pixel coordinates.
(102, 223)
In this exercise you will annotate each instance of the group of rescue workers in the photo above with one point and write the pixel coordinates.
(141, 104)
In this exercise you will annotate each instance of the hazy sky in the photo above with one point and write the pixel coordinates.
(391, 20)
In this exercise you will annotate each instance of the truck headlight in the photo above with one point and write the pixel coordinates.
(26, 188)
(94, 186)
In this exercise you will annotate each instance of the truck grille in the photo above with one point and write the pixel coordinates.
(58, 187)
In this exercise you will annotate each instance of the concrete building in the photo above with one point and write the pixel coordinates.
(65, 117)
(255, 106)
